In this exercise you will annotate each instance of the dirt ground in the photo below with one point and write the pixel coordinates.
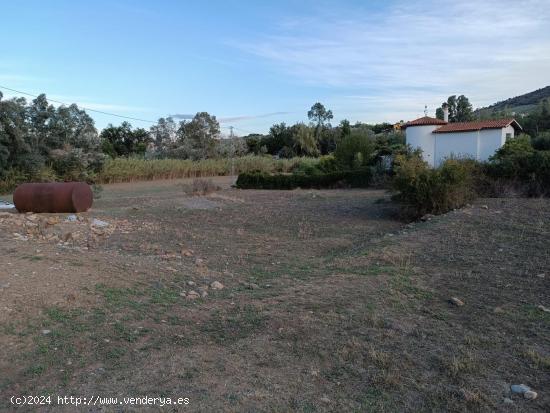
(299, 300)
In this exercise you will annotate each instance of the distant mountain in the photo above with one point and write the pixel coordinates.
(517, 105)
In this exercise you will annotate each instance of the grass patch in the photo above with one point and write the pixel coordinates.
(238, 323)
(536, 360)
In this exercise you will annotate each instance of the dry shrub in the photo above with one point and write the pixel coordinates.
(422, 190)
(200, 187)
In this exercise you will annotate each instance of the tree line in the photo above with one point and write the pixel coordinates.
(41, 141)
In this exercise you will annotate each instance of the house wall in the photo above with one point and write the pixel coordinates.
(491, 140)
(423, 138)
(456, 144)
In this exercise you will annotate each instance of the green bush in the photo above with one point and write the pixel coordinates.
(359, 178)
(542, 142)
(327, 163)
(354, 151)
(422, 190)
(529, 172)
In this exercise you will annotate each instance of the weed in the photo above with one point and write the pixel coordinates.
(536, 360)
(240, 322)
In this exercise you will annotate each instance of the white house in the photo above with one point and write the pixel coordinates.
(440, 139)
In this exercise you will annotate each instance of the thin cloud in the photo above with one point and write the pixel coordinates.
(182, 116)
(487, 50)
(249, 117)
(229, 119)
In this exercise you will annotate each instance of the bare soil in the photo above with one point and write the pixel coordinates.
(329, 302)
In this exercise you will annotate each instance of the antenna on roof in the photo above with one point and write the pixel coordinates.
(425, 110)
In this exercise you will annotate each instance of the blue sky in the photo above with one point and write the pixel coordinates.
(255, 63)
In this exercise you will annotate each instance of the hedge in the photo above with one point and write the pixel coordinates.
(359, 178)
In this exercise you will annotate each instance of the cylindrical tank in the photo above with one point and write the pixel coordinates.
(53, 197)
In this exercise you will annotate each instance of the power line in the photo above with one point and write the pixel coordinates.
(88, 109)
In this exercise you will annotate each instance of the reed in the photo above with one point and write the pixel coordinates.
(135, 169)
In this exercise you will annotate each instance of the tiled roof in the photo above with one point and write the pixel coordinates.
(477, 125)
(426, 120)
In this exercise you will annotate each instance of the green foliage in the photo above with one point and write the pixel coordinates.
(520, 164)
(422, 190)
(260, 180)
(519, 146)
(304, 142)
(124, 141)
(33, 135)
(354, 151)
(542, 141)
(198, 139)
(319, 114)
(460, 109)
(327, 163)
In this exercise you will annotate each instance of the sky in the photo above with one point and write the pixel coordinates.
(255, 63)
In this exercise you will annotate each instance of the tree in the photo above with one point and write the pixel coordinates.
(460, 109)
(304, 143)
(38, 135)
(123, 141)
(451, 105)
(464, 112)
(164, 133)
(13, 133)
(354, 151)
(320, 116)
(345, 128)
(280, 141)
(199, 137)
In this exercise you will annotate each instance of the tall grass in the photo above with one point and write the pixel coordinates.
(134, 169)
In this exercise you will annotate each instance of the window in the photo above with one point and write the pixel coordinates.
(508, 136)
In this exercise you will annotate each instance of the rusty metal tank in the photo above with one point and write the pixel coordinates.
(53, 197)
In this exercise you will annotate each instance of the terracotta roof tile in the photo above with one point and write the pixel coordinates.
(424, 121)
(477, 125)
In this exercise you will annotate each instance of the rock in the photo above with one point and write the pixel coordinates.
(456, 301)
(52, 221)
(187, 253)
(252, 286)
(325, 399)
(20, 237)
(191, 283)
(192, 295)
(6, 205)
(519, 388)
(216, 285)
(204, 294)
(99, 223)
(46, 332)
(541, 275)
(530, 395)
(426, 217)
(182, 294)
(71, 218)
(484, 207)
(543, 308)
(507, 400)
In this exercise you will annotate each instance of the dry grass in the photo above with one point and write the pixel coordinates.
(200, 187)
(321, 309)
(127, 170)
